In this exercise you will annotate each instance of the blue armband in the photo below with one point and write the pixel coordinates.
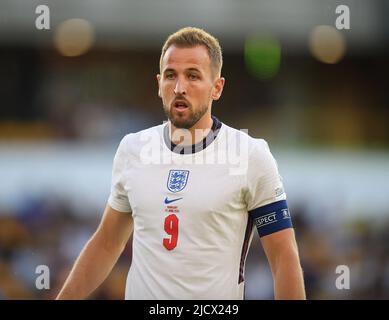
(271, 218)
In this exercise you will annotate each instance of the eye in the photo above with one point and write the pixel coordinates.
(169, 76)
(192, 76)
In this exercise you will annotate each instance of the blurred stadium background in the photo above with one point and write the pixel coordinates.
(318, 95)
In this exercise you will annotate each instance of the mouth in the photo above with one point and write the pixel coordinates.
(180, 105)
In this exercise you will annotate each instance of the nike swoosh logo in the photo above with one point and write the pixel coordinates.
(167, 201)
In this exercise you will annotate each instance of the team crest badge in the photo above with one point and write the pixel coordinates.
(177, 180)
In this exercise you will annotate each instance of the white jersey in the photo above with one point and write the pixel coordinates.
(192, 227)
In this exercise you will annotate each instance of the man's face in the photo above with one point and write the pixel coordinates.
(187, 85)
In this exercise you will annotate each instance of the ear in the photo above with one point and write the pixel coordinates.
(218, 88)
(159, 86)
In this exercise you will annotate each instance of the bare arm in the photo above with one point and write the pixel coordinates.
(99, 255)
(282, 253)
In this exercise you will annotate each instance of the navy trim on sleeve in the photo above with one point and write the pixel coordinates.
(271, 218)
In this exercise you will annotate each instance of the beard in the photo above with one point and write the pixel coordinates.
(185, 121)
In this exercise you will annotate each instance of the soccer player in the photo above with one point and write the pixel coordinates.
(191, 215)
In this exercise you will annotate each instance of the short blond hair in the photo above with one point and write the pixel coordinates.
(190, 37)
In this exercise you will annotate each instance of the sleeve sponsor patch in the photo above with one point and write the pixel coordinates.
(271, 218)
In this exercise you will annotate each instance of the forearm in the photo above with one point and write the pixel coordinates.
(91, 268)
(288, 278)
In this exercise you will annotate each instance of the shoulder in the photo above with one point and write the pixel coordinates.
(257, 148)
(132, 142)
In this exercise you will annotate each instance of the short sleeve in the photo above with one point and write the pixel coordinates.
(266, 198)
(264, 183)
(118, 199)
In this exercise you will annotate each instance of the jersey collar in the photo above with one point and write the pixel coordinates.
(194, 147)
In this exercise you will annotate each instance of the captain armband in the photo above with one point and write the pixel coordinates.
(271, 218)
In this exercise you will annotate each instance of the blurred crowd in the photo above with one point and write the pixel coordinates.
(105, 94)
(47, 232)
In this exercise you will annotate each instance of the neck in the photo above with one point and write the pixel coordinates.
(194, 134)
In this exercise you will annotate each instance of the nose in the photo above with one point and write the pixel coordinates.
(180, 88)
